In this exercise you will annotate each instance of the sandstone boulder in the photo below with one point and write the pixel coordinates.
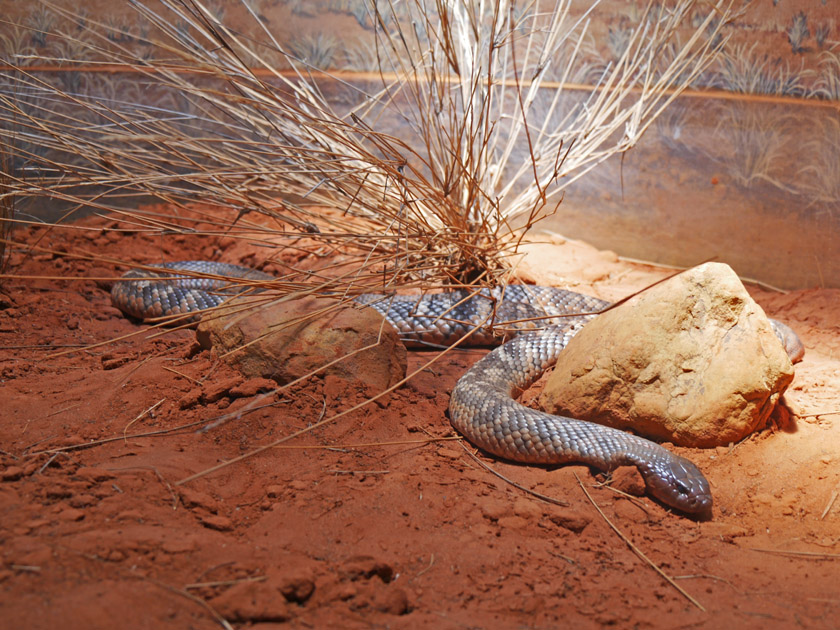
(693, 361)
(286, 340)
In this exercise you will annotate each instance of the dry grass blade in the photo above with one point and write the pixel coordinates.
(638, 551)
(816, 555)
(333, 447)
(534, 493)
(117, 438)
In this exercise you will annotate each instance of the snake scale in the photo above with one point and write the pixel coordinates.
(482, 405)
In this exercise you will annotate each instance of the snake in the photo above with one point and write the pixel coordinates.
(538, 323)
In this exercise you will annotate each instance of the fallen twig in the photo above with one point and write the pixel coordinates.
(638, 551)
(830, 504)
(453, 438)
(817, 555)
(140, 415)
(542, 497)
(77, 447)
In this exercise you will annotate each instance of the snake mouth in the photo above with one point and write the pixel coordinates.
(692, 504)
(697, 505)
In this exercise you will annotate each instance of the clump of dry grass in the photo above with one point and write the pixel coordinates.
(443, 197)
(743, 70)
(828, 84)
(754, 143)
(818, 178)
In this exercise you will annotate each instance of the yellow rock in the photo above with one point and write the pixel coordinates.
(693, 361)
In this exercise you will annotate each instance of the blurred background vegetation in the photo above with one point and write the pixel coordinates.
(743, 167)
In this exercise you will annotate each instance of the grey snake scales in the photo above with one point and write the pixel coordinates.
(481, 406)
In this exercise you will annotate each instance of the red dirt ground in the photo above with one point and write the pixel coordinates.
(407, 533)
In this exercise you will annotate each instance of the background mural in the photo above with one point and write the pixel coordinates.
(743, 168)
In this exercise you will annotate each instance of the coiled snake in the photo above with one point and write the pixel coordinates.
(481, 406)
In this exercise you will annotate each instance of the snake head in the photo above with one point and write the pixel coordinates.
(677, 482)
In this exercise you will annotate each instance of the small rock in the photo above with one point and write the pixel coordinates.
(727, 532)
(256, 602)
(72, 440)
(215, 391)
(12, 473)
(252, 387)
(32, 467)
(89, 473)
(512, 523)
(693, 361)
(36, 523)
(131, 515)
(218, 522)
(297, 589)
(493, 510)
(82, 500)
(292, 339)
(195, 498)
(392, 601)
(342, 592)
(8, 327)
(104, 313)
(570, 519)
(449, 453)
(366, 567)
(528, 508)
(190, 399)
(59, 491)
(115, 362)
(71, 515)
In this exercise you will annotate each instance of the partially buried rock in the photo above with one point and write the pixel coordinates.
(693, 361)
(284, 341)
(252, 601)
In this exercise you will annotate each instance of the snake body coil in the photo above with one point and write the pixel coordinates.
(481, 407)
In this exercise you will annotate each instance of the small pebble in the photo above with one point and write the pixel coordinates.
(217, 522)
(71, 515)
(12, 473)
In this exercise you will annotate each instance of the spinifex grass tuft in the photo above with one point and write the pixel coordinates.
(447, 154)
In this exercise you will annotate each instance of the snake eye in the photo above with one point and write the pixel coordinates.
(681, 487)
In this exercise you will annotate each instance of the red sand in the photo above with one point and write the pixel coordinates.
(410, 533)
